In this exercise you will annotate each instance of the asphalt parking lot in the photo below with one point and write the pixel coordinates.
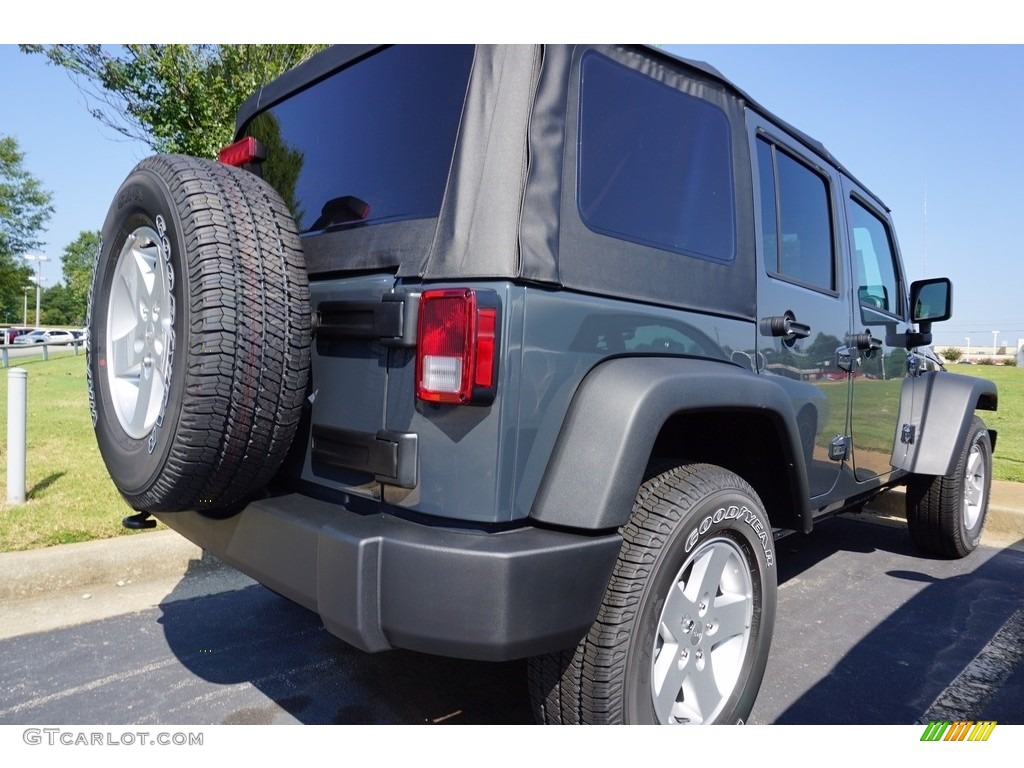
(149, 629)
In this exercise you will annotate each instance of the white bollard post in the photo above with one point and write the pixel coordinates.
(17, 389)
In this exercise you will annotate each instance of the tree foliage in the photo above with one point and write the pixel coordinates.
(59, 307)
(77, 263)
(175, 98)
(24, 204)
(24, 210)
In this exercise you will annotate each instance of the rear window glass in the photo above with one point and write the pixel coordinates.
(655, 164)
(370, 143)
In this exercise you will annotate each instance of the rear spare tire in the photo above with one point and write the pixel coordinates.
(199, 335)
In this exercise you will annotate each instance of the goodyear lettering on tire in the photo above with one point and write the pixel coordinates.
(733, 512)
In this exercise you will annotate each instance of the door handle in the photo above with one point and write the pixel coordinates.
(865, 342)
(785, 326)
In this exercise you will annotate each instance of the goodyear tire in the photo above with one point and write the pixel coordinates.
(685, 628)
(946, 513)
(199, 335)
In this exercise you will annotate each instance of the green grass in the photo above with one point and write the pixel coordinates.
(872, 396)
(1008, 421)
(70, 496)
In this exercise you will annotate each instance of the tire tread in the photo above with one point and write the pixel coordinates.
(246, 352)
(934, 503)
(587, 684)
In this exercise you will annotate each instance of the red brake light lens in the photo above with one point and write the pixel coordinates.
(486, 334)
(444, 350)
(456, 347)
(243, 151)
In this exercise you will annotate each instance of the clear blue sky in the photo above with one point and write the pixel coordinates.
(78, 160)
(903, 119)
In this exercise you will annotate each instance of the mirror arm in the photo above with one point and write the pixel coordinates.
(920, 338)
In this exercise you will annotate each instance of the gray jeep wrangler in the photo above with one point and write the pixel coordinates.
(525, 352)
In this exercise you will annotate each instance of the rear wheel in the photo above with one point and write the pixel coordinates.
(685, 628)
(199, 335)
(946, 513)
(554, 681)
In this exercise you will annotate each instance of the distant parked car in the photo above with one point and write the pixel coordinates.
(45, 337)
(10, 334)
(33, 337)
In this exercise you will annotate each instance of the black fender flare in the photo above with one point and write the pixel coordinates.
(621, 405)
(939, 407)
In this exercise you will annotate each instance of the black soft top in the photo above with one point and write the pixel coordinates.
(509, 209)
(338, 56)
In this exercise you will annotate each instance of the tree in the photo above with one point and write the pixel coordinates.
(60, 308)
(77, 263)
(24, 210)
(175, 98)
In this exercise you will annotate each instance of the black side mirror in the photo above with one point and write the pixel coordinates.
(931, 301)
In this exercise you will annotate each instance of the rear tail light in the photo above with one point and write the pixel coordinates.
(457, 346)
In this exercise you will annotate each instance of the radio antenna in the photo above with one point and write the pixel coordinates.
(925, 265)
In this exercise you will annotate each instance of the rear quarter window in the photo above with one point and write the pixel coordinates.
(655, 164)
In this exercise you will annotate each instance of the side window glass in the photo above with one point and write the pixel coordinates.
(655, 164)
(769, 211)
(796, 225)
(874, 261)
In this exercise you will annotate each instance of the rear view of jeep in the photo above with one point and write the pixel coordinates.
(482, 351)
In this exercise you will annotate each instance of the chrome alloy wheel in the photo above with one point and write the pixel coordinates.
(974, 487)
(702, 634)
(139, 333)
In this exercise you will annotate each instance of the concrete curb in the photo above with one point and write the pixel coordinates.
(1005, 517)
(164, 553)
(138, 558)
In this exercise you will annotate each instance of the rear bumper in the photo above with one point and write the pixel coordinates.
(381, 582)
